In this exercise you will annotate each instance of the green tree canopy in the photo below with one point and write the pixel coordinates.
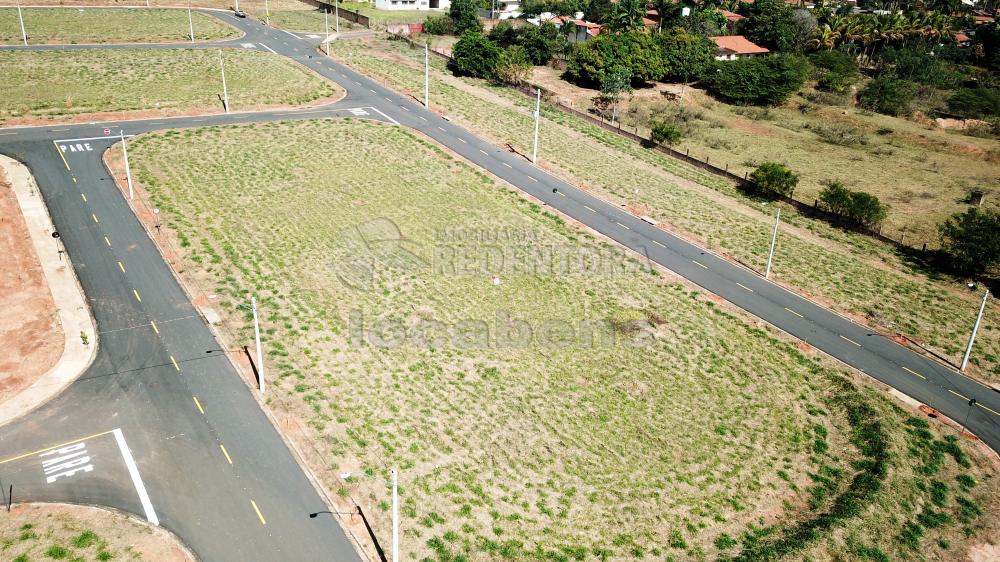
(634, 51)
(770, 177)
(758, 80)
(465, 15)
(890, 96)
(857, 207)
(685, 55)
(778, 26)
(475, 55)
(975, 103)
(972, 239)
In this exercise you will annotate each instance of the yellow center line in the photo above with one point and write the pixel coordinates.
(850, 340)
(55, 446)
(957, 394)
(153, 324)
(84, 197)
(988, 409)
(793, 312)
(259, 514)
(95, 218)
(121, 267)
(225, 452)
(106, 240)
(700, 264)
(61, 155)
(197, 403)
(174, 361)
(745, 287)
(137, 297)
(912, 372)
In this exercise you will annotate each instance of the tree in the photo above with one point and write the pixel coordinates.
(475, 55)
(616, 81)
(857, 207)
(972, 239)
(889, 96)
(837, 70)
(465, 15)
(665, 132)
(771, 177)
(625, 15)
(635, 51)
(975, 103)
(757, 80)
(685, 55)
(778, 26)
(539, 43)
(439, 25)
(513, 66)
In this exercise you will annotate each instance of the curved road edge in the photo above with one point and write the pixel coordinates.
(67, 293)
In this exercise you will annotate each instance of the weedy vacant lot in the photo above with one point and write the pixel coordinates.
(78, 533)
(70, 25)
(393, 277)
(308, 20)
(49, 85)
(848, 272)
(923, 172)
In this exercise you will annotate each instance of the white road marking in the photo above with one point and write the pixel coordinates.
(463, 140)
(441, 129)
(5, 134)
(268, 48)
(95, 138)
(622, 225)
(290, 33)
(699, 264)
(850, 340)
(384, 115)
(745, 287)
(793, 312)
(133, 471)
(589, 209)
(660, 244)
(68, 461)
(247, 45)
(508, 165)
(911, 371)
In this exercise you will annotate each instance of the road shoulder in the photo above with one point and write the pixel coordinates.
(71, 305)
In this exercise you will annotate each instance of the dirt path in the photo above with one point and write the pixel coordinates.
(30, 331)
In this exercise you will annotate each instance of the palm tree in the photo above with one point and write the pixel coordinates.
(824, 38)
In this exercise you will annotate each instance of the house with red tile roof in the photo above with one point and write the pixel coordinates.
(732, 47)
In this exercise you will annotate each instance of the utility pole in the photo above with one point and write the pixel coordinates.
(24, 35)
(774, 238)
(395, 516)
(190, 23)
(267, 14)
(336, 15)
(225, 91)
(975, 328)
(427, 76)
(128, 170)
(326, 30)
(237, 5)
(256, 335)
(538, 108)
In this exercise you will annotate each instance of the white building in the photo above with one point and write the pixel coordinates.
(412, 4)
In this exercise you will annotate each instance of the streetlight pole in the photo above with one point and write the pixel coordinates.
(267, 14)
(225, 91)
(774, 239)
(395, 517)
(326, 30)
(975, 328)
(237, 5)
(190, 23)
(128, 170)
(24, 35)
(336, 16)
(538, 107)
(256, 335)
(427, 76)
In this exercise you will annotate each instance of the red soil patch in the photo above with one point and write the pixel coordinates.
(30, 332)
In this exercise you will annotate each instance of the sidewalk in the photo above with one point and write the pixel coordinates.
(73, 312)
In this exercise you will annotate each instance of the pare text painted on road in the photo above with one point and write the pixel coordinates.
(76, 147)
(65, 462)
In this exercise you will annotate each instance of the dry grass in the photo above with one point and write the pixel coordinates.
(578, 452)
(57, 84)
(54, 25)
(847, 272)
(308, 20)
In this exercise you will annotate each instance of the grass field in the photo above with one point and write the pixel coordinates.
(389, 16)
(78, 533)
(710, 439)
(55, 25)
(53, 85)
(847, 272)
(307, 20)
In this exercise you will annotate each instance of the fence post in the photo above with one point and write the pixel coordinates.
(901, 238)
(924, 248)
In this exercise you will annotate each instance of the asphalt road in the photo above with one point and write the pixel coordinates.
(135, 386)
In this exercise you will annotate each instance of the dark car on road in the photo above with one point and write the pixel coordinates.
(239, 13)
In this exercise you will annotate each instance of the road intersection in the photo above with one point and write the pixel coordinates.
(161, 381)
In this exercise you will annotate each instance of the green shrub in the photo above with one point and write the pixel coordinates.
(465, 16)
(439, 25)
(972, 240)
(758, 80)
(771, 177)
(475, 55)
(975, 103)
(665, 132)
(836, 71)
(889, 96)
(856, 207)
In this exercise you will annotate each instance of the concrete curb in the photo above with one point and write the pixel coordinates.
(71, 304)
